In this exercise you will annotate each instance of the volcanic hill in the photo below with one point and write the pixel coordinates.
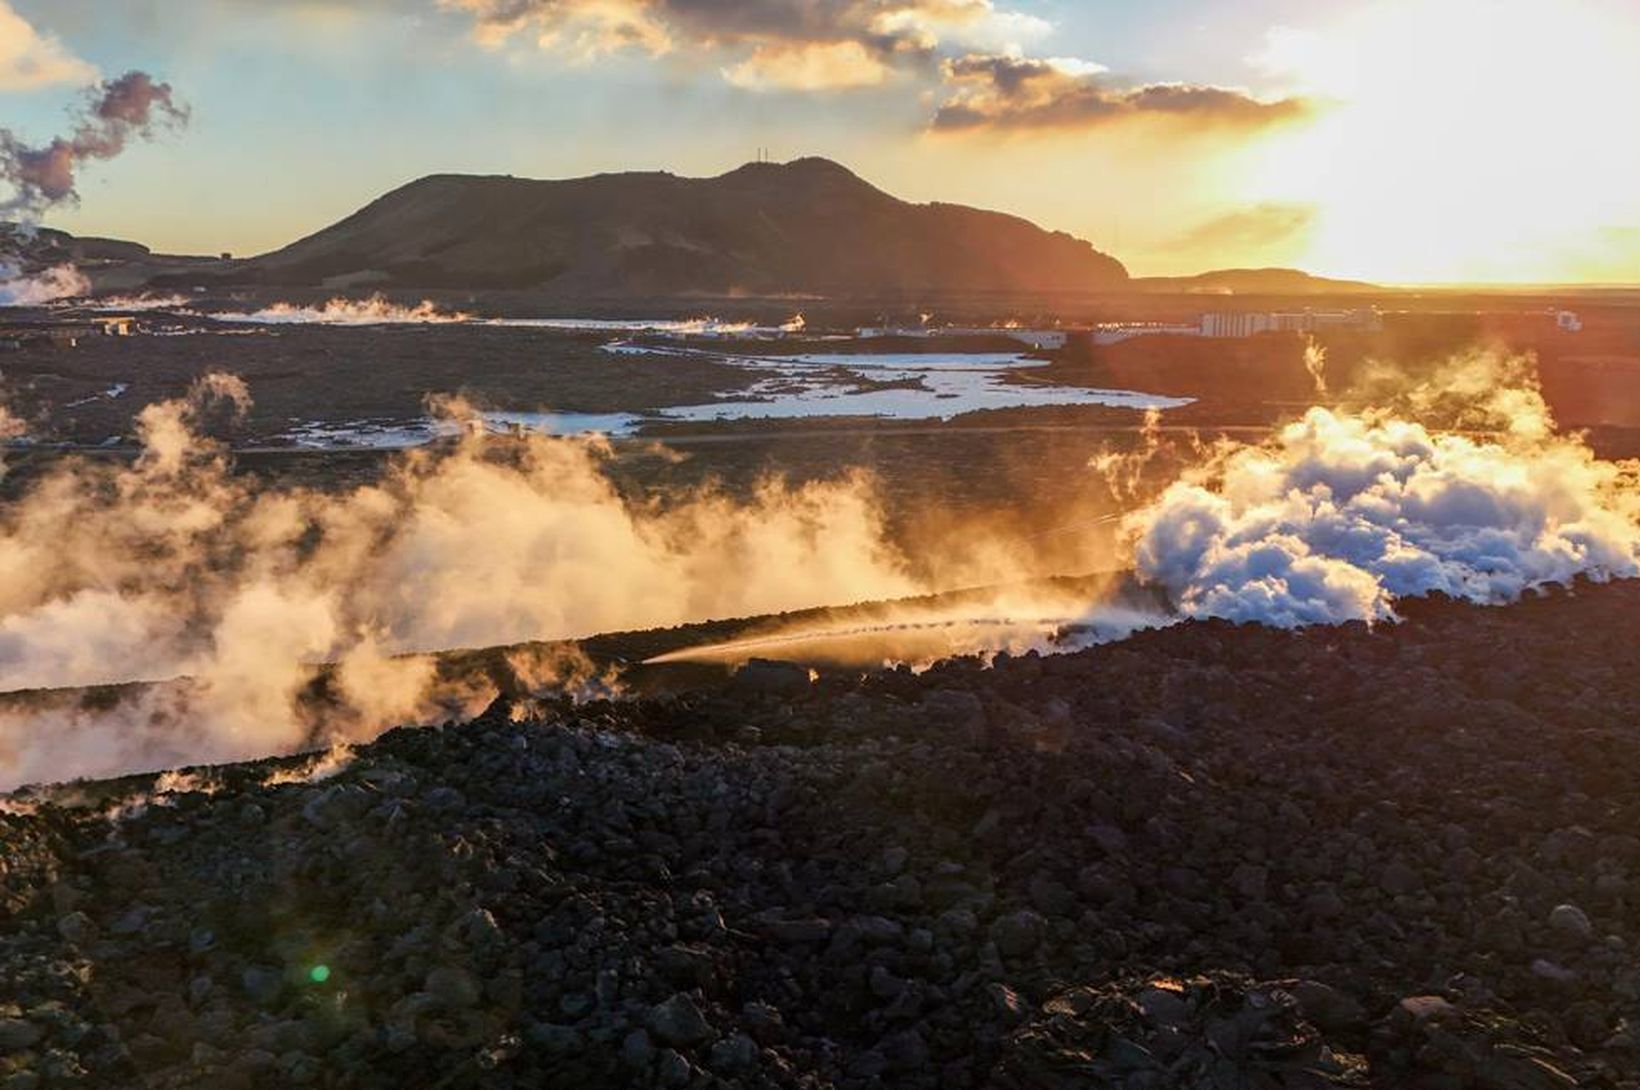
(805, 227)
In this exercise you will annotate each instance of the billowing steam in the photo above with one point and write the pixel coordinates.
(131, 107)
(1460, 486)
(58, 282)
(376, 310)
(1315, 362)
(173, 568)
(237, 602)
(148, 301)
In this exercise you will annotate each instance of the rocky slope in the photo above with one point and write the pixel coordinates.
(806, 227)
(1207, 857)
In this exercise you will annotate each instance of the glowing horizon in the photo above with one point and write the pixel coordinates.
(1422, 143)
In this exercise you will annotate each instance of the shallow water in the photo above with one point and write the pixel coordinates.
(891, 386)
(931, 386)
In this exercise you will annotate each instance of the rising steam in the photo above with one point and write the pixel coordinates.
(58, 282)
(118, 111)
(237, 602)
(376, 310)
(173, 568)
(1342, 512)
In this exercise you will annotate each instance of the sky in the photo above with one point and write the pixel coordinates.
(1403, 141)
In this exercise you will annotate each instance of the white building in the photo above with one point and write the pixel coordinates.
(1567, 321)
(1252, 323)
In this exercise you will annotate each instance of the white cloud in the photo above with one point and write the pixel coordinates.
(30, 59)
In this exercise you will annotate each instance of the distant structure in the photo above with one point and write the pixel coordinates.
(58, 334)
(1213, 324)
(1042, 339)
(1251, 323)
(1567, 321)
(1107, 333)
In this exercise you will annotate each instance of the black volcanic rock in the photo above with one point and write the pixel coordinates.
(806, 227)
(633, 895)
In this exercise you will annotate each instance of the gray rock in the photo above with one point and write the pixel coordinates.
(263, 984)
(798, 932)
(679, 1021)
(735, 1053)
(1328, 1007)
(771, 678)
(671, 1069)
(77, 928)
(1163, 1006)
(555, 1040)
(637, 1052)
(1571, 922)
(16, 1035)
(1422, 1009)
(1017, 934)
(1398, 879)
(1007, 1003)
(1251, 881)
(452, 987)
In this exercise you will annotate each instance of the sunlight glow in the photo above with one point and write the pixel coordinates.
(1465, 140)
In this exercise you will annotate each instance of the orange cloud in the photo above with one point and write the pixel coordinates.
(1009, 93)
(810, 45)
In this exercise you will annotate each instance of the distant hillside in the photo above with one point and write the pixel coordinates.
(48, 246)
(1252, 282)
(809, 226)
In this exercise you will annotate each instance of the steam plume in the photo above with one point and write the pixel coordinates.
(1342, 512)
(131, 107)
(174, 568)
(376, 310)
(58, 282)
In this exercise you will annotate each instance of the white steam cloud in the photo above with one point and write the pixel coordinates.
(1341, 513)
(174, 568)
(376, 310)
(240, 601)
(50, 286)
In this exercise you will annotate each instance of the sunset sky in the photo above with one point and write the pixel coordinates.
(1405, 141)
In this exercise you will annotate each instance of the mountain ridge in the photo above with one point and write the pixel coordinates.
(808, 226)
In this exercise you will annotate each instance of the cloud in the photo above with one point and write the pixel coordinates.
(1005, 92)
(808, 45)
(30, 59)
(1269, 225)
(809, 66)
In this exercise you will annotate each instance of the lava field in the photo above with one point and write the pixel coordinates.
(1210, 856)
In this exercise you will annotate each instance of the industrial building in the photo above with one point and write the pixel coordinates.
(1251, 323)
(1041, 339)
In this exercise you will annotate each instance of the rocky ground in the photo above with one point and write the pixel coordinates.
(1209, 857)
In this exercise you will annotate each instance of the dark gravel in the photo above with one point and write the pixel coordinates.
(1210, 857)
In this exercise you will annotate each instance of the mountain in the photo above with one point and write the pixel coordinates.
(49, 246)
(1251, 282)
(805, 227)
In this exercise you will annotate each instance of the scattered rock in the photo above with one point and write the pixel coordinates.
(678, 1021)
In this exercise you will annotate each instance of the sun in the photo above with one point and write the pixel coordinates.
(1464, 140)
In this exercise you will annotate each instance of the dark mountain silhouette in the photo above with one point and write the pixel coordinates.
(810, 226)
(1253, 282)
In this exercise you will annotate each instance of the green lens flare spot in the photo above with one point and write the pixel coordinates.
(319, 974)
